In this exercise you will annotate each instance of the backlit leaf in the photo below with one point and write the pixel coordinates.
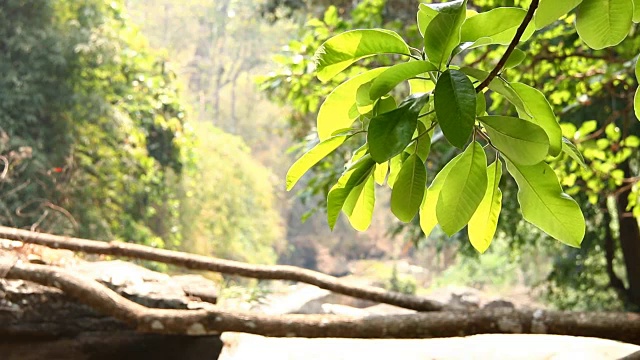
(523, 142)
(570, 149)
(550, 10)
(339, 52)
(604, 23)
(463, 190)
(545, 205)
(337, 110)
(408, 190)
(484, 222)
(428, 218)
(359, 205)
(311, 157)
(541, 114)
(396, 74)
(443, 32)
(499, 25)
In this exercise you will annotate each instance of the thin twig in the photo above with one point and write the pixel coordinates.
(514, 42)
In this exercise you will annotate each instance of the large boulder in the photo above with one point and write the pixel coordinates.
(39, 322)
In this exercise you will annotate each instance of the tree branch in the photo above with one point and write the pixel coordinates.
(212, 320)
(199, 262)
(514, 42)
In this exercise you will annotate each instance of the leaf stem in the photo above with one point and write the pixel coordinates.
(514, 42)
(427, 113)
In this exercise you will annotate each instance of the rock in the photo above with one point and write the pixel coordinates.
(39, 322)
(198, 287)
(344, 310)
(499, 304)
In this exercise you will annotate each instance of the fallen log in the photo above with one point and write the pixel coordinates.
(199, 262)
(211, 319)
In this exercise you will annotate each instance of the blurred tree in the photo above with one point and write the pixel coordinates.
(100, 116)
(228, 207)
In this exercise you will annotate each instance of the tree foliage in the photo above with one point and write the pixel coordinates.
(228, 207)
(551, 76)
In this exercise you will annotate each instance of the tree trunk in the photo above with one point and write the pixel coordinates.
(630, 244)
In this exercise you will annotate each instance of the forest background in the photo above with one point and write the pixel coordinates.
(172, 124)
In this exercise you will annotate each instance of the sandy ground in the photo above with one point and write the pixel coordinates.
(520, 347)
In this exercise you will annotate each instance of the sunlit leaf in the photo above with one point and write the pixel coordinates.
(409, 189)
(523, 142)
(336, 112)
(396, 74)
(463, 190)
(570, 149)
(604, 23)
(339, 52)
(550, 10)
(545, 205)
(499, 25)
(357, 174)
(541, 114)
(311, 157)
(443, 32)
(395, 164)
(359, 205)
(484, 222)
(428, 218)
(380, 173)
(515, 59)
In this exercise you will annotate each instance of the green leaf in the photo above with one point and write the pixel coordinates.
(636, 98)
(443, 32)
(455, 105)
(545, 205)
(481, 104)
(428, 219)
(396, 74)
(484, 222)
(408, 190)
(359, 205)
(499, 25)
(636, 11)
(337, 110)
(335, 201)
(550, 10)
(312, 157)
(395, 164)
(422, 146)
(541, 114)
(390, 133)
(604, 23)
(523, 142)
(339, 52)
(636, 103)
(380, 173)
(463, 190)
(516, 57)
(384, 105)
(357, 174)
(425, 15)
(498, 85)
(570, 149)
